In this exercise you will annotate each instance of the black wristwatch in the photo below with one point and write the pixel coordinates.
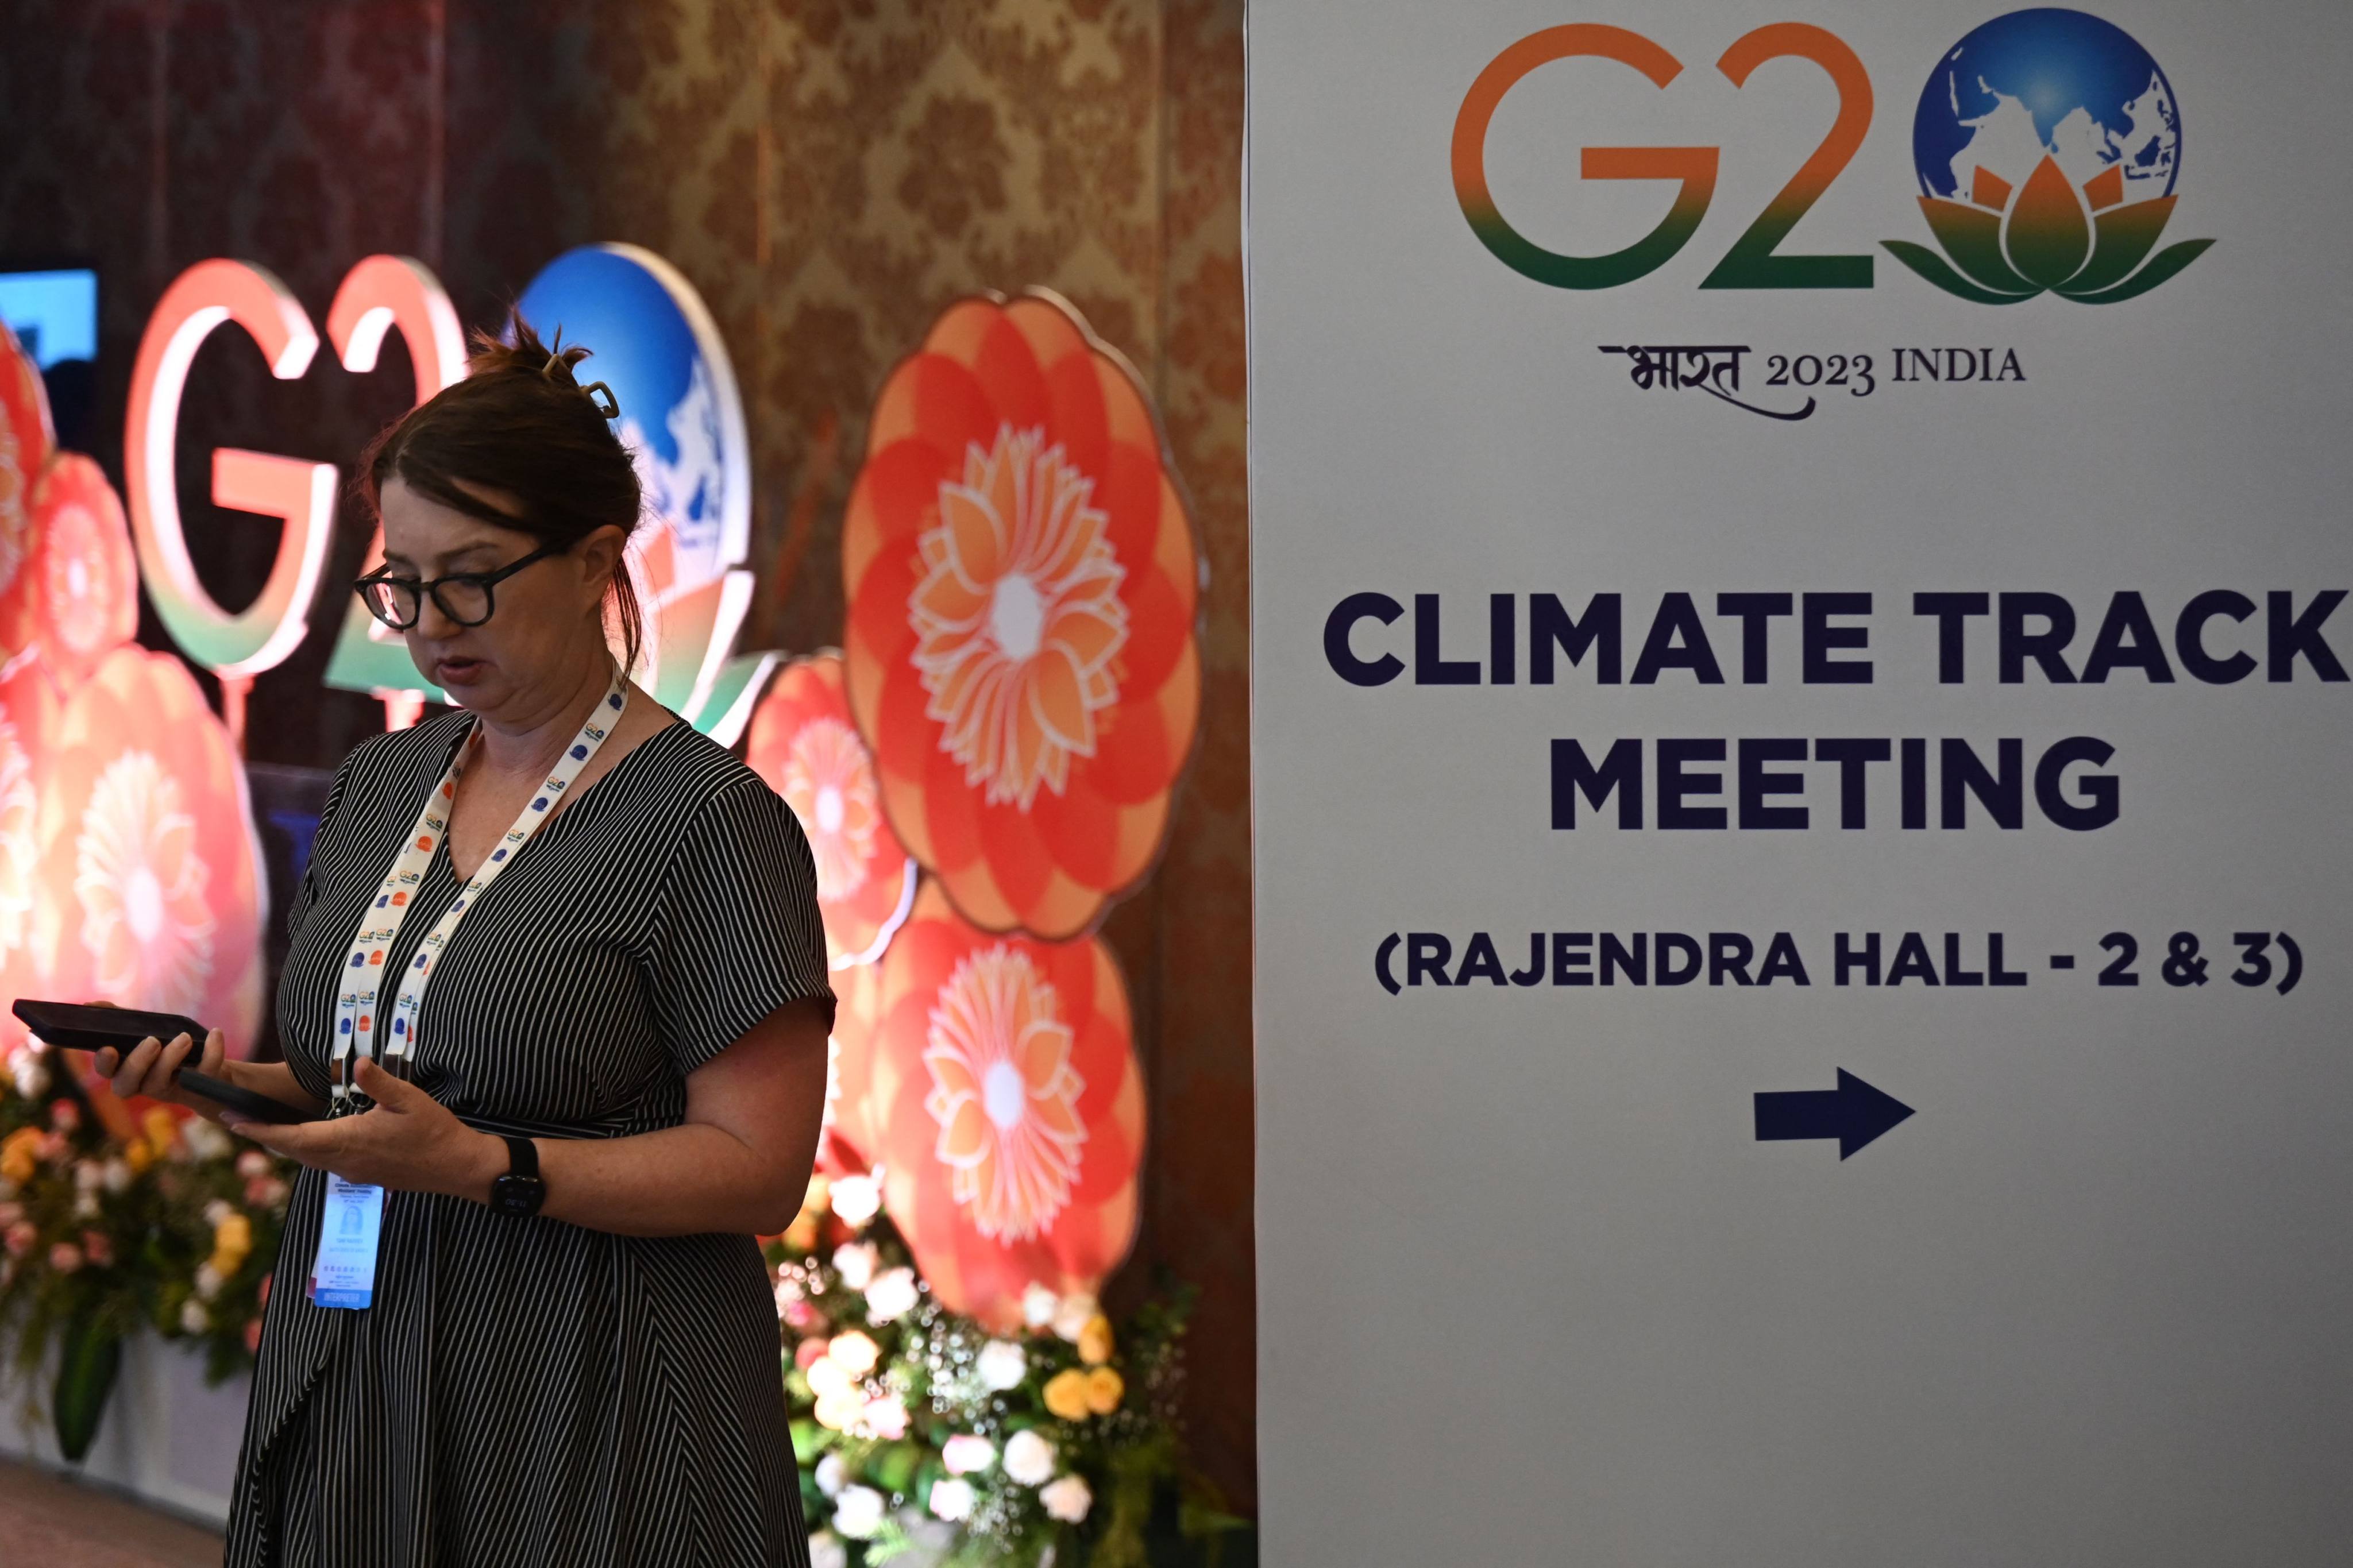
(520, 1191)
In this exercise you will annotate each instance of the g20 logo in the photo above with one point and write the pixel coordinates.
(2046, 142)
(682, 421)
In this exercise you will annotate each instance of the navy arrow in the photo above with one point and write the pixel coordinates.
(1854, 1113)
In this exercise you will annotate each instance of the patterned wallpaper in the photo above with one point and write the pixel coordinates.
(830, 173)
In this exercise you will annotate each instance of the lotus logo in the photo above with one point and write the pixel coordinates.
(2047, 144)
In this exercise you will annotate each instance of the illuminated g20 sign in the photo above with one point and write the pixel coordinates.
(2046, 142)
(658, 349)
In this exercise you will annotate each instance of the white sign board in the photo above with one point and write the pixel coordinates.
(1800, 741)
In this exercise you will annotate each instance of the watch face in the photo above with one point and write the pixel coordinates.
(517, 1194)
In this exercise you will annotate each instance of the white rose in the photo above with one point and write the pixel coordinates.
(788, 1294)
(1028, 1458)
(1068, 1500)
(88, 1176)
(86, 1205)
(856, 1199)
(1076, 1311)
(893, 1294)
(193, 1318)
(1038, 1305)
(828, 1376)
(966, 1452)
(854, 1353)
(952, 1500)
(204, 1139)
(858, 1512)
(32, 1077)
(854, 1261)
(208, 1281)
(826, 1550)
(829, 1475)
(1001, 1365)
(118, 1176)
(218, 1210)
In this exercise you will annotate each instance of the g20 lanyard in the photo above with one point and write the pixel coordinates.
(344, 1272)
(356, 1009)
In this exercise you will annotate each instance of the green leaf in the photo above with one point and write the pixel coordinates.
(1939, 272)
(2122, 238)
(891, 1467)
(87, 1361)
(2161, 266)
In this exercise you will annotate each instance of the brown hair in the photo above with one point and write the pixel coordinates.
(519, 422)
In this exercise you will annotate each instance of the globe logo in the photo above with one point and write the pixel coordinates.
(2047, 143)
(656, 346)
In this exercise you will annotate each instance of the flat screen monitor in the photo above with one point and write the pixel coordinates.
(53, 311)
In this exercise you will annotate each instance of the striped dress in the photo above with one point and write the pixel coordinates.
(527, 1392)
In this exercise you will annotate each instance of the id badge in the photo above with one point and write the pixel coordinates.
(345, 1274)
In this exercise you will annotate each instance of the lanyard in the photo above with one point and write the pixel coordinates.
(357, 1008)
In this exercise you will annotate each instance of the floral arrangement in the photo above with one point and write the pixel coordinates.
(925, 1436)
(112, 1219)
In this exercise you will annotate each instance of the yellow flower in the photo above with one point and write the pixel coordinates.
(232, 1240)
(138, 1154)
(1095, 1340)
(20, 1155)
(1066, 1395)
(162, 1129)
(1104, 1387)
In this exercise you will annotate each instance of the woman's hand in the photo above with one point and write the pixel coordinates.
(149, 1068)
(409, 1142)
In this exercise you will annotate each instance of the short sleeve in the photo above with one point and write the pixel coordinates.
(739, 934)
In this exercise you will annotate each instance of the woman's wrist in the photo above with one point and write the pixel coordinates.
(486, 1161)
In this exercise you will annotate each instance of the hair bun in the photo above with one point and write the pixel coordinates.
(519, 349)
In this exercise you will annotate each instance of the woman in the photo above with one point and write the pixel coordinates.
(518, 1316)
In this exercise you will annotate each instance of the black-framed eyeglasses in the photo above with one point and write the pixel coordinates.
(463, 596)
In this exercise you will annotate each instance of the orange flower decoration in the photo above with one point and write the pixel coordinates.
(1023, 583)
(25, 439)
(148, 882)
(804, 743)
(83, 577)
(1009, 1109)
(28, 713)
(846, 1145)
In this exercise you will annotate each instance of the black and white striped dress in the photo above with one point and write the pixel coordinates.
(526, 1392)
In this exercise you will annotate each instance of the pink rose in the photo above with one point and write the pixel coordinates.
(65, 1257)
(21, 1238)
(64, 1115)
(806, 1354)
(253, 1163)
(253, 1337)
(99, 1249)
(887, 1417)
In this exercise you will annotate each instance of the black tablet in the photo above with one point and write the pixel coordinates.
(243, 1102)
(86, 1028)
(83, 1027)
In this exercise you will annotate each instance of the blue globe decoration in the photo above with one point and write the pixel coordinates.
(654, 344)
(2047, 144)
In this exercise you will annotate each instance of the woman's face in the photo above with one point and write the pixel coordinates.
(546, 621)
